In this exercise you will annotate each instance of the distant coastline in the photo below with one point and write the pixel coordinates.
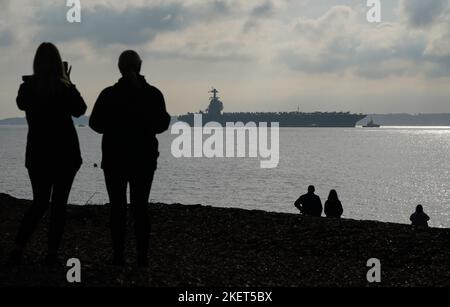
(405, 119)
(393, 119)
(20, 121)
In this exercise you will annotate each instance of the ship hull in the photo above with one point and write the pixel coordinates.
(287, 120)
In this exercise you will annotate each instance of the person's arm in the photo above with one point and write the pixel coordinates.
(161, 119)
(341, 209)
(320, 205)
(23, 97)
(77, 105)
(427, 218)
(97, 120)
(326, 208)
(297, 203)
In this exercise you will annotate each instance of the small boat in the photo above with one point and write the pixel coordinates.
(371, 124)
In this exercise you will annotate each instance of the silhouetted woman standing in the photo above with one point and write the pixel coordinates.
(53, 156)
(333, 206)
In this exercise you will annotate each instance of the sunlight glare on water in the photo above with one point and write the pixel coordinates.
(380, 174)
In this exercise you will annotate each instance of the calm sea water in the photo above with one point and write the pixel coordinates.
(380, 174)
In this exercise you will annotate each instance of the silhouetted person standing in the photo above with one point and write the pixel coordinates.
(309, 204)
(53, 156)
(333, 206)
(129, 115)
(419, 218)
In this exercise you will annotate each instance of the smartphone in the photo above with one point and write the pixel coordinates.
(26, 78)
(66, 66)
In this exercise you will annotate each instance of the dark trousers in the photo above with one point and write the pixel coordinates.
(50, 188)
(140, 184)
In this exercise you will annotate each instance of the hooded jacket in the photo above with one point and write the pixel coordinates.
(52, 140)
(129, 115)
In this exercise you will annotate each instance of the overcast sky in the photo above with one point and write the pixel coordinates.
(262, 55)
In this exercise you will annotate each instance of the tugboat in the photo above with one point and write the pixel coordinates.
(371, 124)
(285, 119)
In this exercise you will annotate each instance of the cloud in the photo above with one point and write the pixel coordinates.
(4, 4)
(264, 9)
(186, 30)
(6, 38)
(420, 13)
(260, 12)
(328, 44)
(103, 25)
(243, 44)
(6, 35)
(198, 43)
(339, 42)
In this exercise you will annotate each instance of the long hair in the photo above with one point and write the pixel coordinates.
(333, 196)
(48, 65)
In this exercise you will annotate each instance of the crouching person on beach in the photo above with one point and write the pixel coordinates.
(419, 218)
(129, 115)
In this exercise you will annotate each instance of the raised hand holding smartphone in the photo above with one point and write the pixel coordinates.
(67, 70)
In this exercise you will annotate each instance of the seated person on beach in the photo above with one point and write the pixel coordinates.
(309, 204)
(333, 207)
(419, 218)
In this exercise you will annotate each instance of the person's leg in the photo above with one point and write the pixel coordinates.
(140, 186)
(116, 185)
(41, 186)
(62, 185)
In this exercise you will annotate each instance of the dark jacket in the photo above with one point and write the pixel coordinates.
(419, 219)
(52, 140)
(129, 116)
(333, 208)
(309, 204)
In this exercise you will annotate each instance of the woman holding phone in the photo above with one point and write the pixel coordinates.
(53, 156)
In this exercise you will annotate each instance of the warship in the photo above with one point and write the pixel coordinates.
(214, 113)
